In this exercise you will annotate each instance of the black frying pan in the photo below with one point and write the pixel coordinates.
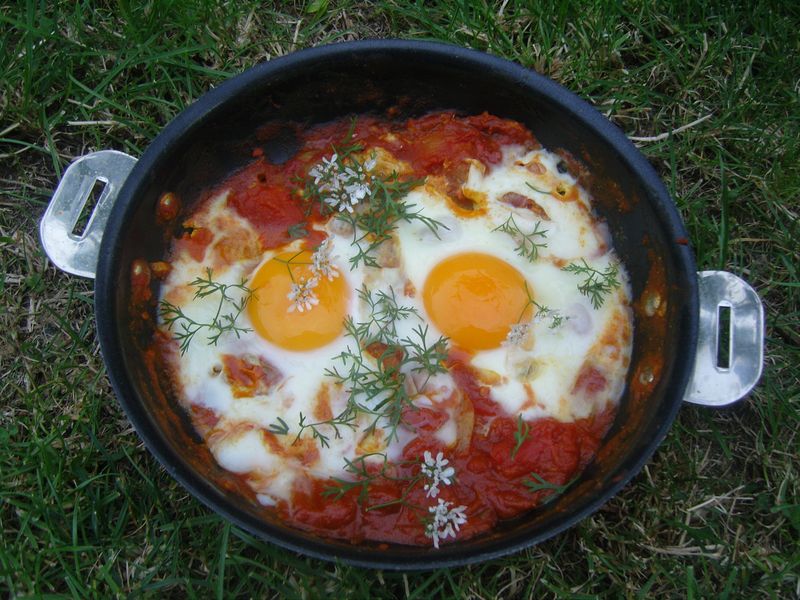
(215, 136)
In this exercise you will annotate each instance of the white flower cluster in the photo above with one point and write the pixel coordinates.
(517, 335)
(302, 293)
(553, 318)
(342, 186)
(446, 521)
(437, 471)
(321, 262)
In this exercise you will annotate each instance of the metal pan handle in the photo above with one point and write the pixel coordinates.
(73, 252)
(712, 384)
(716, 381)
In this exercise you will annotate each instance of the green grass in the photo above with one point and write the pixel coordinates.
(87, 512)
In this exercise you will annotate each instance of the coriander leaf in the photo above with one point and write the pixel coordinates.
(279, 428)
(596, 284)
(520, 435)
(220, 323)
(540, 484)
(527, 244)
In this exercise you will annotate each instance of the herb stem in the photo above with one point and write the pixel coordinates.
(221, 323)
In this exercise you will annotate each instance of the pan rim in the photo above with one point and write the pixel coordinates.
(213, 101)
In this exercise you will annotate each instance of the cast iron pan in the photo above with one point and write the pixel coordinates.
(401, 79)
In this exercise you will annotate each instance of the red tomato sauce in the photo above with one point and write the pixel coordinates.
(195, 242)
(266, 194)
(491, 475)
(247, 378)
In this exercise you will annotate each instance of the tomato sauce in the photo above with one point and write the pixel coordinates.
(496, 477)
(266, 194)
(195, 241)
(248, 378)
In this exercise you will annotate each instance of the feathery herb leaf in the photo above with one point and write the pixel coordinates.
(520, 435)
(373, 368)
(596, 284)
(539, 484)
(370, 203)
(279, 428)
(366, 474)
(527, 244)
(221, 322)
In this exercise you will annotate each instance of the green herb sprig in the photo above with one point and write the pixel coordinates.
(290, 262)
(384, 313)
(542, 311)
(540, 484)
(520, 435)
(345, 419)
(279, 427)
(374, 225)
(332, 184)
(225, 316)
(528, 244)
(596, 284)
(364, 477)
(376, 384)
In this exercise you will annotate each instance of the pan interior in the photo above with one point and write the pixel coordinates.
(216, 135)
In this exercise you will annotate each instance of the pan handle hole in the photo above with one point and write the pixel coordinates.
(723, 337)
(88, 207)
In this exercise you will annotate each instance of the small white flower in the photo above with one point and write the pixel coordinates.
(552, 318)
(446, 521)
(437, 471)
(344, 201)
(302, 295)
(331, 165)
(316, 173)
(357, 191)
(517, 335)
(340, 186)
(331, 201)
(321, 264)
(370, 163)
(325, 170)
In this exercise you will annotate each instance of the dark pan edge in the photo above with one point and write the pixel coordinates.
(110, 339)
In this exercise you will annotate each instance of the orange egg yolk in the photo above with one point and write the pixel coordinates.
(269, 307)
(474, 299)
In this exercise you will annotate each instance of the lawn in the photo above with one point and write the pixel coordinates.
(711, 94)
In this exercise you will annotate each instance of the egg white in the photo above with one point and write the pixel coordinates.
(571, 232)
(532, 383)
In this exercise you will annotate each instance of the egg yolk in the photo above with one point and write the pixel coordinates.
(474, 299)
(269, 307)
